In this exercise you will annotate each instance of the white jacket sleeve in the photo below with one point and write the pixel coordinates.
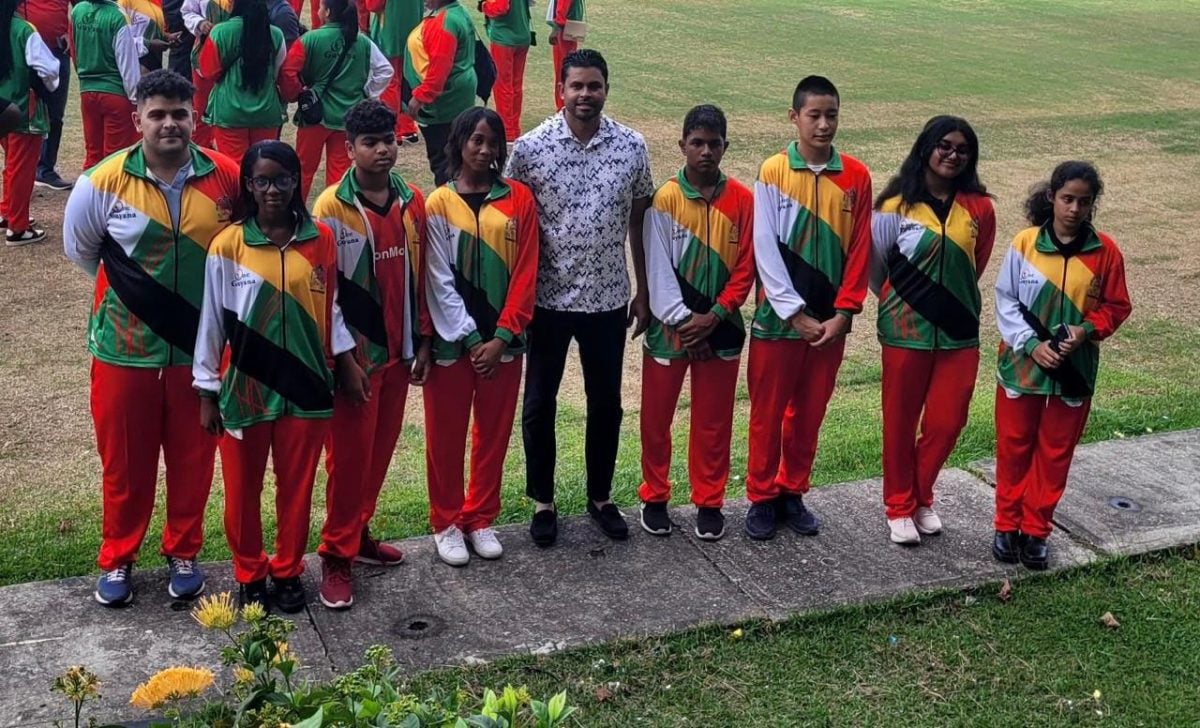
(340, 338)
(44, 63)
(128, 48)
(666, 300)
(1013, 329)
(193, 15)
(85, 224)
(772, 272)
(380, 75)
(210, 336)
(885, 231)
(446, 307)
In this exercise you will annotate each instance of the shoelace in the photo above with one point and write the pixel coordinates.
(454, 539)
(486, 535)
(183, 567)
(117, 575)
(339, 571)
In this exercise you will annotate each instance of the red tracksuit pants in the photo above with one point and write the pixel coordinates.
(391, 96)
(357, 456)
(107, 125)
(1035, 441)
(790, 384)
(510, 87)
(714, 384)
(311, 141)
(21, 153)
(294, 444)
(233, 143)
(138, 412)
(562, 49)
(451, 394)
(203, 133)
(929, 390)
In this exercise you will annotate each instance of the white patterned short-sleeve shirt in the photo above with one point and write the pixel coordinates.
(585, 195)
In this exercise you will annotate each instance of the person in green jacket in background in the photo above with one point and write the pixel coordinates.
(242, 58)
(439, 67)
(392, 21)
(509, 30)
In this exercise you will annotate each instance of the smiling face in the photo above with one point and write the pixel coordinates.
(374, 153)
(950, 156)
(584, 93)
(272, 187)
(817, 122)
(165, 124)
(1073, 204)
(482, 149)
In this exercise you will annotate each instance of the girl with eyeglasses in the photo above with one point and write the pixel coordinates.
(241, 59)
(1060, 291)
(932, 231)
(269, 293)
(481, 267)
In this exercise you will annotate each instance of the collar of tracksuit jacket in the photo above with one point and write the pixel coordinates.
(252, 234)
(797, 163)
(348, 189)
(692, 193)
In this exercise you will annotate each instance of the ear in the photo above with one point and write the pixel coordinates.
(683, 146)
(350, 149)
(793, 115)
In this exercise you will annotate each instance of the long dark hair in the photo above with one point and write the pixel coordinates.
(909, 183)
(257, 55)
(1039, 206)
(286, 157)
(8, 8)
(345, 14)
(461, 130)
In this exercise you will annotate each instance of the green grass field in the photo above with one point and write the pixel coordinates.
(1114, 82)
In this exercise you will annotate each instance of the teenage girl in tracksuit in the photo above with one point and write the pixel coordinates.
(105, 49)
(241, 58)
(508, 27)
(933, 231)
(23, 55)
(1060, 292)
(313, 61)
(480, 276)
(391, 22)
(270, 286)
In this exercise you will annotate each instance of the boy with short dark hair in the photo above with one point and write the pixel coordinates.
(812, 237)
(378, 220)
(699, 266)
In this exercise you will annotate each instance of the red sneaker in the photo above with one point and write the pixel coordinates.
(337, 584)
(377, 553)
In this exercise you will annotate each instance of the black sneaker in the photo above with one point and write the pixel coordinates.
(710, 523)
(655, 519)
(255, 591)
(610, 520)
(411, 138)
(543, 529)
(53, 181)
(1006, 547)
(1035, 554)
(760, 521)
(289, 595)
(791, 510)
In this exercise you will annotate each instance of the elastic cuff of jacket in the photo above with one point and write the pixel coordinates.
(472, 339)
(423, 95)
(719, 311)
(1030, 344)
(504, 335)
(1089, 328)
(847, 313)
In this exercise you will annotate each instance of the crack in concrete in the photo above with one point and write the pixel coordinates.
(320, 638)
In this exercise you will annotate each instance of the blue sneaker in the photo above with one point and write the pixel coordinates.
(760, 521)
(796, 516)
(115, 588)
(187, 580)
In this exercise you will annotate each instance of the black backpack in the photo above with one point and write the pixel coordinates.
(485, 73)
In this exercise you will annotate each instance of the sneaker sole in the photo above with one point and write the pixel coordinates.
(103, 601)
(905, 541)
(336, 605)
(22, 243)
(710, 536)
(805, 531)
(1035, 565)
(455, 562)
(760, 536)
(48, 186)
(998, 556)
(173, 595)
(929, 532)
(654, 532)
(377, 562)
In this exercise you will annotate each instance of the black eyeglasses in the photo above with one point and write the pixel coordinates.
(946, 148)
(283, 183)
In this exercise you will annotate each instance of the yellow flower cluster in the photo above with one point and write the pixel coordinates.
(172, 683)
(78, 684)
(215, 612)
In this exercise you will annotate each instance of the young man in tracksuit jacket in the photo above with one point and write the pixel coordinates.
(558, 12)
(141, 222)
(508, 28)
(199, 17)
(105, 48)
(699, 266)
(378, 220)
(812, 238)
(392, 21)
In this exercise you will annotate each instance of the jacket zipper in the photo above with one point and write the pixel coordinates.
(814, 212)
(937, 332)
(283, 304)
(174, 254)
(1062, 306)
(708, 241)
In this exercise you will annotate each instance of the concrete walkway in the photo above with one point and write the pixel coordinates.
(1125, 496)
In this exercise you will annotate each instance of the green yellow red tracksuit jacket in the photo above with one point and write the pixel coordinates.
(363, 73)
(925, 271)
(105, 49)
(439, 64)
(30, 56)
(380, 282)
(699, 259)
(558, 12)
(277, 310)
(481, 271)
(508, 22)
(147, 18)
(1037, 289)
(812, 239)
(149, 275)
(231, 104)
(391, 23)
(196, 12)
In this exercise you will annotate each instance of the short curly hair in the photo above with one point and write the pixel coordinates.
(166, 83)
(369, 116)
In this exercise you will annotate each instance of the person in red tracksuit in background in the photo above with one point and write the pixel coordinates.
(391, 22)
(508, 28)
(199, 17)
(558, 12)
(481, 271)
(379, 222)
(933, 231)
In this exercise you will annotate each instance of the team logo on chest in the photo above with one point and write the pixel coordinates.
(735, 234)
(849, 200)
(510, 230)
(316, 280)
(224, 209)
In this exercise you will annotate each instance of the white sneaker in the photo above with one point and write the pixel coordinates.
(904, 531)
(927, 521)
(451, 548)
(485, 543)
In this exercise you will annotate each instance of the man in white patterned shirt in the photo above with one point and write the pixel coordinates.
(591, 177)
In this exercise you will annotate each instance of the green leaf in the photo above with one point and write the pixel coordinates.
(316, 720)
(557, 703)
